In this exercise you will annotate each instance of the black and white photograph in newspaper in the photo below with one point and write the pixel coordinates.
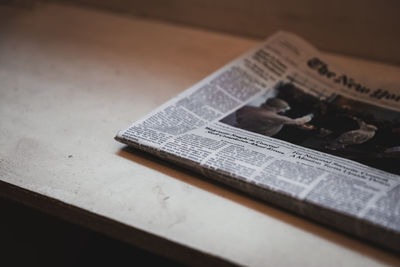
(336, 125)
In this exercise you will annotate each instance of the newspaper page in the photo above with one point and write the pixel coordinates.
(283, 124)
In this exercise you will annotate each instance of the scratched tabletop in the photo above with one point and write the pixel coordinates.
(70, 78)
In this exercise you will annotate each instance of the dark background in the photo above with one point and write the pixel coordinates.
(32, 238)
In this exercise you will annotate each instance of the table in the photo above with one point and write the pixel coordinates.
(70, 78)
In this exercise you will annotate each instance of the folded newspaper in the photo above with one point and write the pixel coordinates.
(285, 125)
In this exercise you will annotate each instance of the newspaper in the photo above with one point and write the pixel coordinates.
(285, 125)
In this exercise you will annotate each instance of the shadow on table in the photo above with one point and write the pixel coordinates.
(184, 175)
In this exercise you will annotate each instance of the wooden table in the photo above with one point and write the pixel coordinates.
(71, 78)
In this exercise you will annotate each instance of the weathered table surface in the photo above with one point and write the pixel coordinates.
(71, 78)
